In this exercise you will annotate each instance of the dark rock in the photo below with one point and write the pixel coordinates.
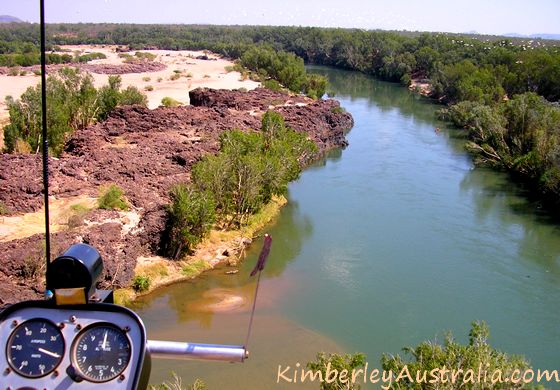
(145, 152)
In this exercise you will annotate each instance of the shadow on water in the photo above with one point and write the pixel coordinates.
(496, 196)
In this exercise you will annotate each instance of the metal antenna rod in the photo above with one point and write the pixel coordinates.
(45, 140)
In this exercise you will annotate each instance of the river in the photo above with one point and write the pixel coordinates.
(394, 240)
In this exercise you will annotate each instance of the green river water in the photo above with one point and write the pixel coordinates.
(394, 240)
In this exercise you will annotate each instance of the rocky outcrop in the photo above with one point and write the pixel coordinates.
(145, 152)
(131, 67)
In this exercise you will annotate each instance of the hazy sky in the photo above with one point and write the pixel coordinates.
(483, 16)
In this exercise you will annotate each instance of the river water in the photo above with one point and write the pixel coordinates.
(394, 240)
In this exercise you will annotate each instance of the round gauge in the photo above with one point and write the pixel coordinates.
(101, 352)
(35, 348)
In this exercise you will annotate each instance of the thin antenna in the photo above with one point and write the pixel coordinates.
(258, 268)
(45, 140)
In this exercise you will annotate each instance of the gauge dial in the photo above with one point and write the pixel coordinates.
(101, 353)
(35, 348)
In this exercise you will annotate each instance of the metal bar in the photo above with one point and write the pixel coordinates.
(45, 136)
(193, 351)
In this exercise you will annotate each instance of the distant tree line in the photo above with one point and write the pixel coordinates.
(19, 46)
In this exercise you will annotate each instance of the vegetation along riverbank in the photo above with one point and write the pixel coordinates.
(510, 86)
(122, 183)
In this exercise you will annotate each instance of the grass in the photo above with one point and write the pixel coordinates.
(112, 198)
(259, 220)
(195, 268)
(124, 296)
(78, 212)
(141, 283)
(338, 110)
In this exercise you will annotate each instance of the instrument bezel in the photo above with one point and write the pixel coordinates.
(71, 320)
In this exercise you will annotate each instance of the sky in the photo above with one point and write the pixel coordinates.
(483, 16)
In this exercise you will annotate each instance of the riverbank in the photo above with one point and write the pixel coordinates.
(145, 152)
(219, 247)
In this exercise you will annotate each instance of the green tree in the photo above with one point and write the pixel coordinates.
(428, 356)
(190, 217)
(326, 363)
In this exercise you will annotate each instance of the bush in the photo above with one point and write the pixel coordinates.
(477, 353)
(148, 88)
(146, 78)
(175, 76)
(73, 103)
(339, 363)
(190, 217)
(142, 55)
(3, 209)
(112, 198)
(252, 167)
(132, 96)
(170, 102)
(141, 283)
(272, 85)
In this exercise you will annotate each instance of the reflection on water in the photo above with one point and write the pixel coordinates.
(389, 242)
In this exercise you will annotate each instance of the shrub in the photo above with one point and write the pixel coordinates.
(148, 88)
(146, 78)
(428, 356)
(141, 283)
(272, 84)
(112, 198)
(175, 76)
(142, 55)
(3, 209)
(22, 147)
(73, 103)
(131, 96)
(170, 102)
(13, 72)
(339, 363)
(190, 216)
(159, 79)
(252, 167)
